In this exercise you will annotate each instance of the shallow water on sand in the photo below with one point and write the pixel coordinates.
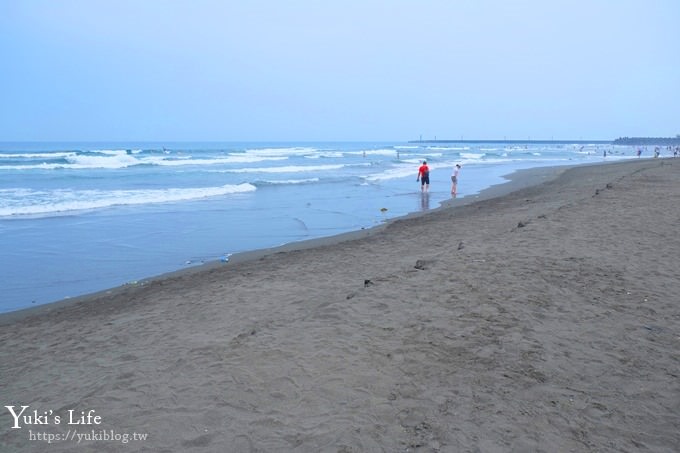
(77, 218)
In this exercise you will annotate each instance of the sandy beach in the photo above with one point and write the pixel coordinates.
(543, 320)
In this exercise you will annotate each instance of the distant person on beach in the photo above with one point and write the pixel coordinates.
(639, 152)
(424, 177)
(454, 179)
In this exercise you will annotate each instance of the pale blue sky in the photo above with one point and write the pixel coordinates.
(295, 70)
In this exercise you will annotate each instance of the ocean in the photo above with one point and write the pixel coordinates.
(77, 218)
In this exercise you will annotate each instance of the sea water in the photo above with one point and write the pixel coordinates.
(82, 217)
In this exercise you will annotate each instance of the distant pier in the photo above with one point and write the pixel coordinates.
(522, 142)
(626, 141)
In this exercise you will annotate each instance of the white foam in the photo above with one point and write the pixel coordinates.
(404, 171)
(242, 158)
(291, 181)
(111, 159)
(177, 161)
(41, 166)
(471, 155)
(58, 155)
(480, 162)
(286, 169)
(278, 152)
(112, 152)
(401, 171)
(325, 154)
(374, 152)
(17, 202)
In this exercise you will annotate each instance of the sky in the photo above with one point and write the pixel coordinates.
(345, 70)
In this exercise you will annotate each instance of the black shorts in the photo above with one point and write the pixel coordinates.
(425, 180)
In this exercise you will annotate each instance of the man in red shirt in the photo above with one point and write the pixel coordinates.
(424, 177)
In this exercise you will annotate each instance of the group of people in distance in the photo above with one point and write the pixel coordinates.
(424, 178)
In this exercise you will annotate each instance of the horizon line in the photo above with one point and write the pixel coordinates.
(304, 140)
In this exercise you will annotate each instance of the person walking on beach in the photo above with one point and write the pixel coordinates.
(424, 177)
(454, 179)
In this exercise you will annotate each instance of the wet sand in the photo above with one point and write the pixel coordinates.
(541, 320)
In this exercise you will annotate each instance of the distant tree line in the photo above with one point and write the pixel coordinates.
(648, 141)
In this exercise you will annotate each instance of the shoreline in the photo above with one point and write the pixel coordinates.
(515, 180)
(541, 320)
(102, 248)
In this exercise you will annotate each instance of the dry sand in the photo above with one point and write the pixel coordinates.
(544, 320)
